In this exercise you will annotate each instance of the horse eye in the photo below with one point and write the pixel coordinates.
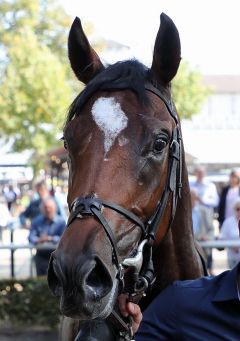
(159, 144)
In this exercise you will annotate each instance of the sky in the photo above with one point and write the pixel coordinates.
(209, 29)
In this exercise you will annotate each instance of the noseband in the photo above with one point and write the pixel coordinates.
(92, 206)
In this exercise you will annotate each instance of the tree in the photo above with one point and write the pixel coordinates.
(189, 93)
(47, 19)
(35, 89)
(34, 95)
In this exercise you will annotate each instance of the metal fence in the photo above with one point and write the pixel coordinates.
(12, 247)
(217, 243)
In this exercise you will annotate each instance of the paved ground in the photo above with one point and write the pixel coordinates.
(29, 335)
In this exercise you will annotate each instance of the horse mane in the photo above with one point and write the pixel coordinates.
(129, 74)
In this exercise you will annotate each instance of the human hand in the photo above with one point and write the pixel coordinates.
(129, 308)
(43, 238)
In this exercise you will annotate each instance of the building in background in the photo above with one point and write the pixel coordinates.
(14, 168)
(213, 136)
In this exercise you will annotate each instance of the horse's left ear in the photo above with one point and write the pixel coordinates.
(84, 60)
(167, 51)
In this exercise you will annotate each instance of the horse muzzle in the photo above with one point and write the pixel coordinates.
(86, 290)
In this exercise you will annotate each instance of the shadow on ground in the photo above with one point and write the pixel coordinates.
(7, 334)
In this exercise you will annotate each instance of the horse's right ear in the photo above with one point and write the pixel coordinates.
(83, 59)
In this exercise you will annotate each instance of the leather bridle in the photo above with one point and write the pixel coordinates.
(92, 206)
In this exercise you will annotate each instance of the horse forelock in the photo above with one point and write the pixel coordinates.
(130, 74)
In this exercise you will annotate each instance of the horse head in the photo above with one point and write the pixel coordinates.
(124, 144)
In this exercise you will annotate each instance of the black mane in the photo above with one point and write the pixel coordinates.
(130, 74)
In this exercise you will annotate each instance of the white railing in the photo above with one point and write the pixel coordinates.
(211, 244)
(15, 246)
(12, 247)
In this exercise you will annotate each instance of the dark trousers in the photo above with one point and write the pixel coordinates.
(209, 260)
(41, 260)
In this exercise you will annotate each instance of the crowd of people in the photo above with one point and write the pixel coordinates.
(215, 214)
(210, 205)
(42, 212)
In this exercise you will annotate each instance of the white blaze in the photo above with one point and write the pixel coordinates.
(110, 118)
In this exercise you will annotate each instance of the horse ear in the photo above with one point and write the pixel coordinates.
(167, 51)
(83, 59)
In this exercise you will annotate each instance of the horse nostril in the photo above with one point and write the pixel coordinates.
(54, 281)
(99, 279)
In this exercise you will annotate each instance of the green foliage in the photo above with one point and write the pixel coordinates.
(28, 302)
(189, 93)
(46, 18)
(34, 95)
(35, 84)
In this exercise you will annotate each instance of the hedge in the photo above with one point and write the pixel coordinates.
(28, 302)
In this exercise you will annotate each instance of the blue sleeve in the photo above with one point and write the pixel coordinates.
(34, 235)
(32, 211)
(59, 232)
(25, 214)
(159, 319)
(22, 218)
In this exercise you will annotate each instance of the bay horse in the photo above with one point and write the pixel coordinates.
(130, 226)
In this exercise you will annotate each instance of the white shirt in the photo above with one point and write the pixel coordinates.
(232, 195)
(207, 191)
(230, 231)
(5, 216)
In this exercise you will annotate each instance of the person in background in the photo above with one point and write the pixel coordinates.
(229, 231)
(207, 195)
(47, 227)
(5, 216)
(207, 308)
(203, 228)
(61, 195)
(33, 209)
(206, 190)
(228, 196)
(10, 197)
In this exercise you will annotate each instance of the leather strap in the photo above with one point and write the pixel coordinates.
(91, 206)
(161, 92)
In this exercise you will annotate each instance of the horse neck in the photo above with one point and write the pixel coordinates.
(183, 243)
(176, 256)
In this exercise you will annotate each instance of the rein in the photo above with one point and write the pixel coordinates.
(92, 206)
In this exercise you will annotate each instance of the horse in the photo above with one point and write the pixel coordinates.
(130, 226)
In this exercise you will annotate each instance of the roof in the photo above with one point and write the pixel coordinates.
(14, 159)
(58, 152)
